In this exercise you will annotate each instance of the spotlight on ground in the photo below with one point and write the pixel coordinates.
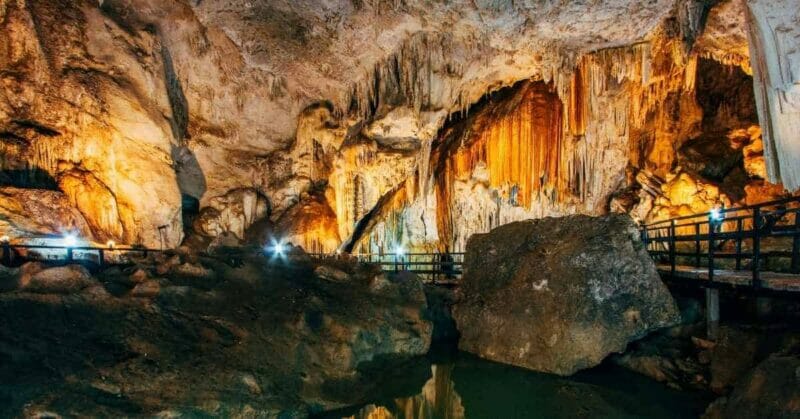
(5, 239)
(110, 244)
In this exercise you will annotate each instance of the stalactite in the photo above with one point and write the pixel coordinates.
(577, 107)
(420, 75)
(521, 146)
(554, 146)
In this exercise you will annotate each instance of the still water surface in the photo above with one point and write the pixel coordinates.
(463, 386)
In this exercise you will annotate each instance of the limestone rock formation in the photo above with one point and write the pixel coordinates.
(263, 339)
(558, 295)
(134, 107)
(28, 213)
(775, 56)
(85, 97)
(233, 213)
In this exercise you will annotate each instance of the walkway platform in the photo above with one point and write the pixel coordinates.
(772, 281)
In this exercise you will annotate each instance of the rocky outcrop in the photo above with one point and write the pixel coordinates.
(771, 390)
(260, 340)
(26, 213)
(84, 100)
(233, 213)
(559, 294)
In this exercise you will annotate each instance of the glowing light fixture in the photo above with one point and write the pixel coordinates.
(399, 250)
(716, 214)
(277, 248)
(110, 244)
(5, 239)
(70, 240)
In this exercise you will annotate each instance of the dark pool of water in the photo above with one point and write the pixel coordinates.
(463, 386)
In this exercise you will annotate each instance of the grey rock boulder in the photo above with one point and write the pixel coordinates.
(558, 295)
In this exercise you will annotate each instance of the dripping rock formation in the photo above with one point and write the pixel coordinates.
(533, 299)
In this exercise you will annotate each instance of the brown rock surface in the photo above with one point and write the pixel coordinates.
(269, 338)
(735, 354)
(771, 390)
(35, 212)
(559, 294)
(60, 280)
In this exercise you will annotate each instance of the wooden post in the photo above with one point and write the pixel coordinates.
(796, 244)
(697, 244)
(102, 258)
(756, 247)
(69, 254)
(711, 248)
(712, 313)
(739, 244)
(672, 255)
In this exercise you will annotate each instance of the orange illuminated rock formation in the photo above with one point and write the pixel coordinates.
(520, 144)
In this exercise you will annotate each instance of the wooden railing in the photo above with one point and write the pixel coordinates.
(743, 238)
(435, 267)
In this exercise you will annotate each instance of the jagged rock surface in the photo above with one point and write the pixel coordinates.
(251, 341)
(27, 213)
(558, 295)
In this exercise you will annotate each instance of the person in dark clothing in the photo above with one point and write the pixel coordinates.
(7, 255)
(447, 264)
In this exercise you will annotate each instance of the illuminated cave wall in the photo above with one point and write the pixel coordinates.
(374, 120)
(652, 120)
(542, 149)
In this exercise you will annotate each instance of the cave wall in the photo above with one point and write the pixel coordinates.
(670, 129)
(84, 101)
(775, 56)
(251, 108)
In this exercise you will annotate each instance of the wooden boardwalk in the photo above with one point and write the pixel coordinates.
(737, 247)
(770, 281)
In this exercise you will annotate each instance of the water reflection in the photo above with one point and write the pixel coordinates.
(437, 400)
(472, 388)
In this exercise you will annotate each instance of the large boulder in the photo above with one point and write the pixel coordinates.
(558, 295)
(59, 280)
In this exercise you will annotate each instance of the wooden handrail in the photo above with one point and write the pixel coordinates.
(662, 238)
(730, 210)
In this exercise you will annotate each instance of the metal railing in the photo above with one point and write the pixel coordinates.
(432, 267)
(102, 256)
(737, 239)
